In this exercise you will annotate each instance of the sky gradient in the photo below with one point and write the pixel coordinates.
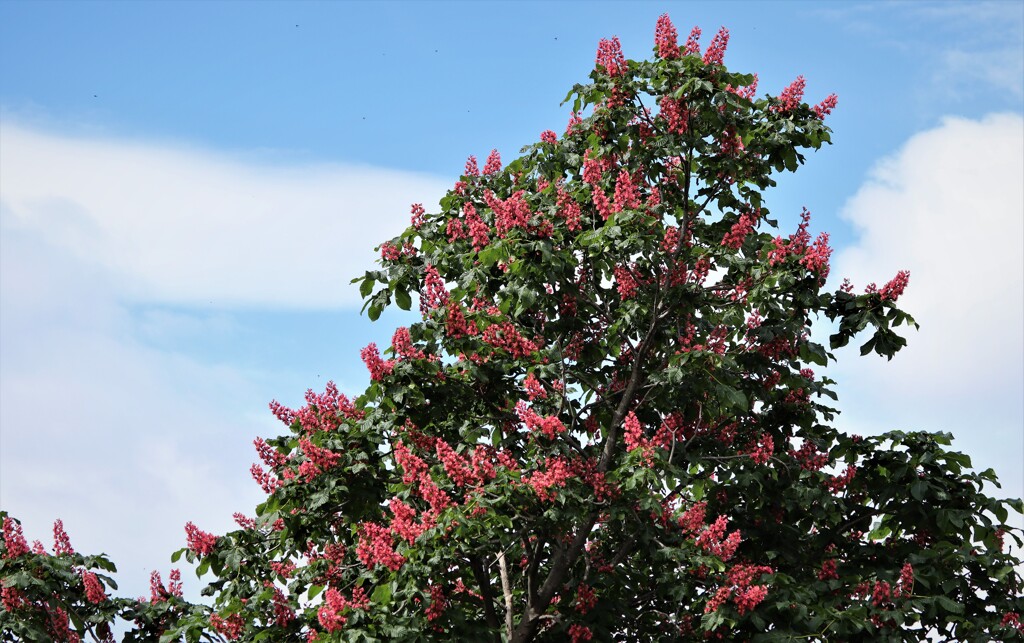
(186, 190)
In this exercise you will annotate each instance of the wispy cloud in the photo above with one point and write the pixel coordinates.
(103, 422)
(969, 44)
(949, 207)
(189, 226)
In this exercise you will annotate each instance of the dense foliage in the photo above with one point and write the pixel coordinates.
(606, 425)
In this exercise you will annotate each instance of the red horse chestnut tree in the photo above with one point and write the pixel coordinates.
(606, 425)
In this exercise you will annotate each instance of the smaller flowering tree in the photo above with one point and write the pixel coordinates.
(607, 425)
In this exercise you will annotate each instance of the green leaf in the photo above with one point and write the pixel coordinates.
(403, 299)
(366, 287)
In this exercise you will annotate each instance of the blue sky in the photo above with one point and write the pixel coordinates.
(187, 188)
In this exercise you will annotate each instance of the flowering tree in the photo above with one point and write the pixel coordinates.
(606, 425)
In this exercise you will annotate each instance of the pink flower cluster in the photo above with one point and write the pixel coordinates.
(836, 483)
(412, 465)
(513, 212)
(93, 589)
(749, 92)
(504, 336)
(548, 136)
(625, 283)
(401, 341)
(330, 613)
(548, 426)
(568, 209)
(743, 227)
(815, 257)
(675, 114)
(738, 586)
(665, 36)
(158, 592)
(270, 456)
(417, 215)
(457, 467)
(692, 47)
(493, 164)
(379, 369)
(404, 524)
(230, 628)
(715, 541)
(61, 542)
(762, 452)
(318, 459)
(715, 52)
(626, 195)
(438, 603)
(791, 96)
(892, 290)
(14, 540)
(376, 547)
(609, 56)
(579, 633)
(434, 294)
(825, 107)
(534, 389)
(586, 598)
(200, 542)
(557, 471)
(809, 457)
(828, 570)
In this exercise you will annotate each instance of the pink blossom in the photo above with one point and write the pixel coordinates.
(61, 542)
(548, 426)
(716, 50)
(626, 196)
(739, 231)
(434, 294)
(438, 603)
(609, 56)
(825, 107)
(93, 589)
(548, 136)
(402, 342)
(665, 38)
(417, 215)
(231, 627)
(379, 369)
(676, 116)
(375, 547)
(555, 474)
(471, 167)
(412, 466)
(579, 633)
(625, 283)
(200, 542)
(791, 96)
(404, 524)
(534, 389)
(493, 165)
(693, 43)
(892, 290)
(14, 540)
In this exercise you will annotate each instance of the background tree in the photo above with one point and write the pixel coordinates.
(606, 425)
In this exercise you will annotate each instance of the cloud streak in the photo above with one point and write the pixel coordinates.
(186, 226)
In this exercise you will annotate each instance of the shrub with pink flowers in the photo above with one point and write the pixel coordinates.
(605, 425)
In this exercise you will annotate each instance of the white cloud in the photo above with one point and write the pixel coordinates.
(100, 423)
(189, 226)
(948, 206)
